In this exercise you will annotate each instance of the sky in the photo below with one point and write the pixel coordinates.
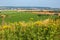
(32, 3)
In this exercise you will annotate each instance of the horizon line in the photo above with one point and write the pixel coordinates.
(29, 6)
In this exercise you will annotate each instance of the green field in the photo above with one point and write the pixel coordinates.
(29, 26)
(13, 16)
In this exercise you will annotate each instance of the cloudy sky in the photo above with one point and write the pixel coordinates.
(37, 3)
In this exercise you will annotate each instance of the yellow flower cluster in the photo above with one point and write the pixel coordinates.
(22, 24)
(30, 23)
(38, 23)
(6, 26)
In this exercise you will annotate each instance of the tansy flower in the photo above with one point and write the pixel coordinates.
(6, 26)
(38, 23)
(22, 24)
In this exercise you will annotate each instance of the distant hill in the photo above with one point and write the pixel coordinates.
(28, 8)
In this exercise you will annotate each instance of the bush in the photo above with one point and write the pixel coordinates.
(32, 32)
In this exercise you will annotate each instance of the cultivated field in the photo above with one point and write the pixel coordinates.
(28, 26)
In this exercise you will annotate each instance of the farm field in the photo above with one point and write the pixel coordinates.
(28, 26)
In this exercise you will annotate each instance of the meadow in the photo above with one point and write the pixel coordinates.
(16, 25)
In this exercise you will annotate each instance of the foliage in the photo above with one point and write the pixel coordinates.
(27, 26)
